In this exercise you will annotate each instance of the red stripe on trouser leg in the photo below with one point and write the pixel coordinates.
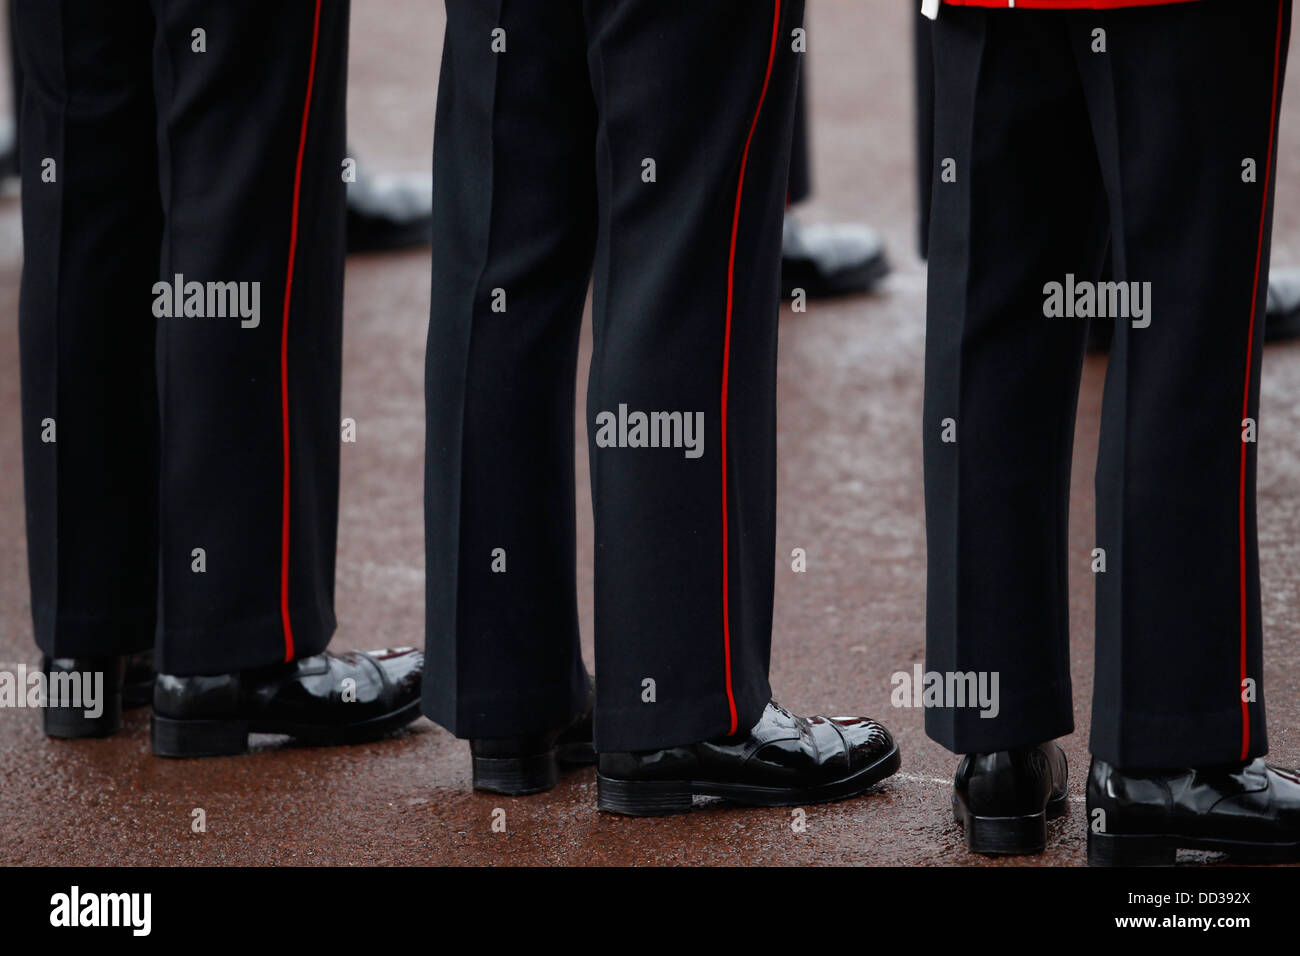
(1245, 399)
(284, 343)
(726, 363)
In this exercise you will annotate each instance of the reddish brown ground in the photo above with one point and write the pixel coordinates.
(850, 481)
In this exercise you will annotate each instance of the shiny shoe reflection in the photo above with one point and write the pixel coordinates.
(1249, 811)
(323, 699)
(783, 760)
(1004, 799)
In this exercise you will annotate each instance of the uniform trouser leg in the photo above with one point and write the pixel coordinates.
(91, 228)
(229, 530)
(1178, 603)
(522, 173)
(800, 187)
(514, 231)
(1015, 193)
(251, 139)
(1185, 106)
(685, 320)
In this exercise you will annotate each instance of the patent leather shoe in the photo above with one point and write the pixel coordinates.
(83, 696)
(830, 259)
(1004, 799)
(392, 211)
(1249, 811)
(530, 763)
(783, 760)
(322, 699)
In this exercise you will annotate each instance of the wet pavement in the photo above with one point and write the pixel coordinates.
(850, 484)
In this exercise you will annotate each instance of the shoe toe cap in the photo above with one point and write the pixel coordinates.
(866, 740)
(402, 668)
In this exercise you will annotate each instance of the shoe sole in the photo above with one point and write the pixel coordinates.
(535, 773)
(655, 798)
(1105, 849)
(226, 738)
(71, 723)
(1023, 835)
(854, 282)
(1282, 328)
(361, 240)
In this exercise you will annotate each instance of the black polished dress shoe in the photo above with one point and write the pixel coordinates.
(783, 760)
(323, 699)
(83, 696)
(389, 211)
(1004, 799)
(1250, 811)
(8, 150)
(1282, 318)
(531, 763)
(830, 259)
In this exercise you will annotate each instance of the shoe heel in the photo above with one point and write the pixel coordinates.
(642, 798)
(64, 711)
(516, 776)
(199, 738)
(1105, 849)
(72, 723)
(1007, 836)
